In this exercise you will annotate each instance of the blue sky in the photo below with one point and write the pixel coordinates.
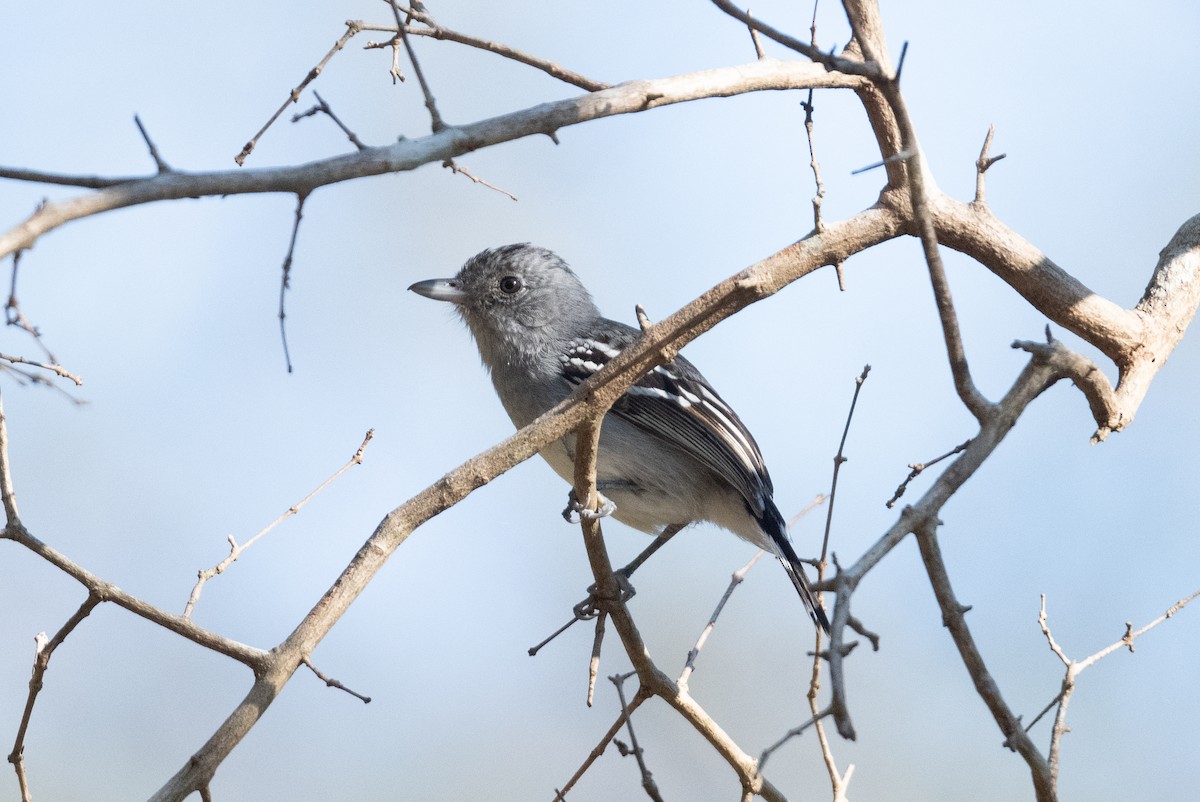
(193, 430)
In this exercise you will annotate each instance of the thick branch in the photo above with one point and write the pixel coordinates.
(408, 154)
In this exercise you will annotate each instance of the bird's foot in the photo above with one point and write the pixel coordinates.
(576, 511)
(590, 607)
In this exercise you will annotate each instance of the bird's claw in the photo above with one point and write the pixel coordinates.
(576, 508)
(589, 608)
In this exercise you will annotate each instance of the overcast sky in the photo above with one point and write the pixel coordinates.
(193, 430)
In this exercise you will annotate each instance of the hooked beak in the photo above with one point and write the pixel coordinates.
(441, 289)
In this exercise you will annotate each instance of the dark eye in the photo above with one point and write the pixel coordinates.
(510, 284)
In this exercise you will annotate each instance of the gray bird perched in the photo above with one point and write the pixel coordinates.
(671, 451)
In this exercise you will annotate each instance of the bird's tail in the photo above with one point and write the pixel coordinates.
(776, 528)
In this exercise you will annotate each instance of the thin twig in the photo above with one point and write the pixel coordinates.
(867, 69)
(285, 277)
(918, 196)
(13, 316)
(236, 549)
(587, 609)
(819, 197)
(333, 683)
(917, 468)
(648, 783)
(56, 369)
(324, 108)
(736, 579)
(455, 168)
(1077, 667)
(789, 735)
(435, 118)
(352, 28)
(45, 650)
(8, 494)
(598, 750)
(437, 31)
(836, 779)
(838, 459)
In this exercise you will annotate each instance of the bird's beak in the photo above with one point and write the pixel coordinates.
(441, 289)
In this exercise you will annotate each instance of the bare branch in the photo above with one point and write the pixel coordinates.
(626, 712)
(926, 230)
(45, 650)
(285, 277)
(838, 460)
(851, 67)
(408, 154)
(735, 580)
(648, 784)
(455, 168)
(8, 494)
(594, 662)
(13, 315)
(58, 370)
(1087, 376)
(352, 29)
(1077, 667)
(435, 118)
(758, 50)
(437, 31)
(236, 550)
(324, 108)
(917, 468)
(333, 683)
(953, 618)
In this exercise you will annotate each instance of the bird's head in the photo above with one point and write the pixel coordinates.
(516, 295)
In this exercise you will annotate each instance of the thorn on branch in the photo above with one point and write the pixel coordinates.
(900, 63)
(642, 318)
(162, 166)
(758, 49)
(895, 157)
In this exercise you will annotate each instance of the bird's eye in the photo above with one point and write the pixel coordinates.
(510, 284)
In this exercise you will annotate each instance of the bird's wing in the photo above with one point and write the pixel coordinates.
(675, 403)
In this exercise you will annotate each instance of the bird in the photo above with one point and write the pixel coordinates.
(672, 452)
